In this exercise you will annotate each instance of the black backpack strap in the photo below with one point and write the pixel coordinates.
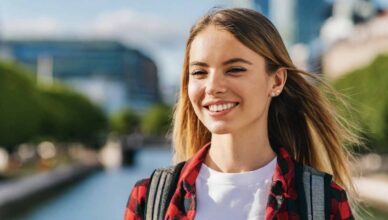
(162, 186)
(316, 187)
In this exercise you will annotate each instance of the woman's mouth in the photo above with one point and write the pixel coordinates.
(221, 109)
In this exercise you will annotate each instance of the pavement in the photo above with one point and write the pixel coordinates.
(13, 191)
(373, 189)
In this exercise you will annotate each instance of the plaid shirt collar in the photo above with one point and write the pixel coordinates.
(282, 181)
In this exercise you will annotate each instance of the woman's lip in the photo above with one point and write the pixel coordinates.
(218, 103)
(220, 113)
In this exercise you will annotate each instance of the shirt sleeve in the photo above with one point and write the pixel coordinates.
(340, 208)
(136, 202)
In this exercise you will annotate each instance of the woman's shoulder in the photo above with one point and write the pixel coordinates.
(335, 195)
(340, 206)
(142, 183)
(337, 191)
(136, 201)
(338, 194)
(139, 190)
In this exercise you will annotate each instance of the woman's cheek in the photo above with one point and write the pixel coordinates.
(194, 92)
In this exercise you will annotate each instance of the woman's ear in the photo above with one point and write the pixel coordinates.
(279, 79)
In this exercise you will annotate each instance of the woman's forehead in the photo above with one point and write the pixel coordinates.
(217, 46)
(213, 38)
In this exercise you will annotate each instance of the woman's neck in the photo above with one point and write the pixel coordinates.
(232, 153)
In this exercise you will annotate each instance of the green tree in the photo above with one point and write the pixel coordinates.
(124, 122)
(157, 120)
(366, 89)
(20, 113)
(31, 113)
(70, 116)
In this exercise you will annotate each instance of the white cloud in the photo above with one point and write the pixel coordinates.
(125, 24)
(135, 28)
(161, 38)
(32, 27)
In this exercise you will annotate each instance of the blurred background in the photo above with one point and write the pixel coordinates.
(87, 89)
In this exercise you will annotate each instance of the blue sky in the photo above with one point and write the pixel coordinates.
(75, 13)
(158, 28)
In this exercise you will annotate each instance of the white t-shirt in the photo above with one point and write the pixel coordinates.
(233, 195)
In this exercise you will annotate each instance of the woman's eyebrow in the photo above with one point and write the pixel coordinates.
(230, 61)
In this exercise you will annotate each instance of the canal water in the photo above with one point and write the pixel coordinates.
(103, 195)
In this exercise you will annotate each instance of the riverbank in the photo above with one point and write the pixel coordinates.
(373, 190)
(17, 191)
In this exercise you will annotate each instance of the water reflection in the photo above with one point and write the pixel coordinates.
(102, 195)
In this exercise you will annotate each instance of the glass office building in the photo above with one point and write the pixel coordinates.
(108, 72)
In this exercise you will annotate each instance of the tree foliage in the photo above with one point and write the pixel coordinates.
(29, 112)
(124, 122)
(157, 120)
(367, 92)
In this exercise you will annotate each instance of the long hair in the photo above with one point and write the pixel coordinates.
(301, 118)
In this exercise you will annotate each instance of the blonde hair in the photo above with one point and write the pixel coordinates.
(301, 119)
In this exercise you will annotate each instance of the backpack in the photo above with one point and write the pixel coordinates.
(162, 186)
(315, 184)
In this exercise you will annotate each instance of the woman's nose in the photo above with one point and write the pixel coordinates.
(215, 84)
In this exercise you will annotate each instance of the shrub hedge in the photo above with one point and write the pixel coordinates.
(367, 89)
(29, 112)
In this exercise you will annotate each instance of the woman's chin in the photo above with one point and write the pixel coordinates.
(220, 129)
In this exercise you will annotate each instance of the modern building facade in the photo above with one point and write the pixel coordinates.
(309, 17)
(108, 72)
(298, 21)
(263, 7)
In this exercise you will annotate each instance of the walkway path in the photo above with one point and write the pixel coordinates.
(17, 190)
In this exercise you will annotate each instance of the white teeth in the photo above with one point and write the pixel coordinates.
(222, 107)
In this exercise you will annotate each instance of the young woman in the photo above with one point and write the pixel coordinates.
(246, 122)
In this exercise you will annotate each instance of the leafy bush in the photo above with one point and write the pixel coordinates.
(367, 90)
(70, 116)
(20, 114)
(29, 112)
(124, 122)
(157, 120)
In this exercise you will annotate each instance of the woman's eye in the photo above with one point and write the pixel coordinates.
(232, 70)
(197, 72)
(236, 70)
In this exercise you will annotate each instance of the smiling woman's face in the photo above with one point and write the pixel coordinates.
(228, 87)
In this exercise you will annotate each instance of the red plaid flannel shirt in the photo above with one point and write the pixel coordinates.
(282, 202)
